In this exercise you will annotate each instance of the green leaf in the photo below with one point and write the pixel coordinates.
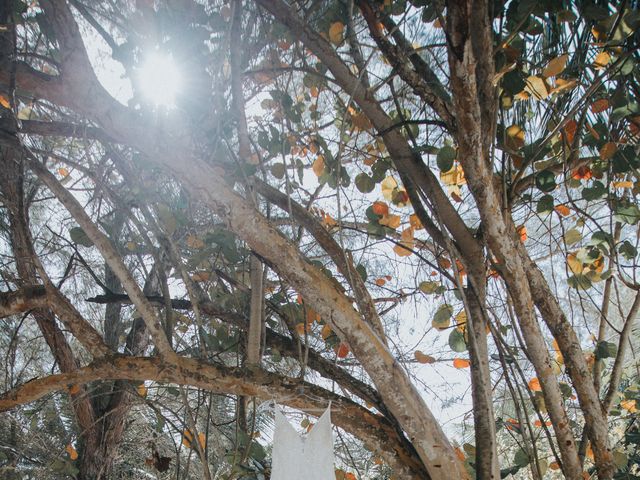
(606, 350)
(572, 236)
(456, 341)
(579, 282)
(79, 237)
(627, 250)
(596, 191)
(445, 158)
(521, 459)
(629, 213)
(431, 287)
(442, 317)
(545, 204)
(278, 170)
(362, 271)
(513, 82)
(546, 181)
(364, 183)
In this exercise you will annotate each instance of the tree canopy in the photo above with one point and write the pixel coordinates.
(416, 210)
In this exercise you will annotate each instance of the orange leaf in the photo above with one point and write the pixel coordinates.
(336, 31)
(380, 208)
(415, 222)
(63, 172)
(556, 66)
(623, 184)
(74, 389)
(608, 150)
(318, 166)
(461, 363)
(554, 466)
(582, 173)
(73, 454)
(4, 101)
(522, 232)
(570, 130)
(460, 454)
(600, 105)
(391, 221)
(326, 332)
(534, 385)
(142, 390)
(342, 351)
(380, 282)
(562, 210)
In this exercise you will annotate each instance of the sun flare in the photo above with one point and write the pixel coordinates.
(160, 79)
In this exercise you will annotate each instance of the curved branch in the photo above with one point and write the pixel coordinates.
(375, 431)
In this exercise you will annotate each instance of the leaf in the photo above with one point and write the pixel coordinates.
(391, 221)
(194, 242)
(534, 385)
(73, 454)
(364, 183)
(546, 181)
(444, 159)
(456, 341)
(406, 243)
(380, 208)
(423, 358)
(572, 236)
(4, 101)
(342, 351)
(556, 66)
(562, 210)
(461, 363)
(336, 33)
(442, 317)
(431, 287)
(278, 170)
(142, 390)
(522, 233)
(515, 137)
(601, 61)
(79, 237)
(388, 185)
(605, 350)
(600, 105)
(63, 172)
(627, 213)
(595, 192)
(608, 150)
(521, 459)
(318, 166)
(537, 86)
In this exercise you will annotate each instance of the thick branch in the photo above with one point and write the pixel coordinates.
(372, 429)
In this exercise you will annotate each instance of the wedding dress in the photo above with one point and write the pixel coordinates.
(308, 457)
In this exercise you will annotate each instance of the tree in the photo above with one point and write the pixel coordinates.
(503, 136)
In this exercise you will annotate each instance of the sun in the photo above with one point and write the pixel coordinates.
(160, 80)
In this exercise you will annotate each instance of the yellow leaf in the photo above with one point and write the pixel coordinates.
(537, 86)
(73, 454)
(391, 221)
(423, 358)
(326, 332)
(461, 363)
(25, 113)
(562, 85)
(608, 150)
(361, 121)
(601, 61)
(455, 176)
(461, 319)
(574, 264)
(4, 101)
(406, 243)
(556, 66)
(131, 246)
(388, 185)
(415, 222)
(318, 166)
(625, 184)
(336, 32)
(142, 390)
(629, 405)
(515, 137)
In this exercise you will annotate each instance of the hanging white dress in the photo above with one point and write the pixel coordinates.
(307, 456)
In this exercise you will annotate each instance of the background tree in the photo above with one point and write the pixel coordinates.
(328, 174)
